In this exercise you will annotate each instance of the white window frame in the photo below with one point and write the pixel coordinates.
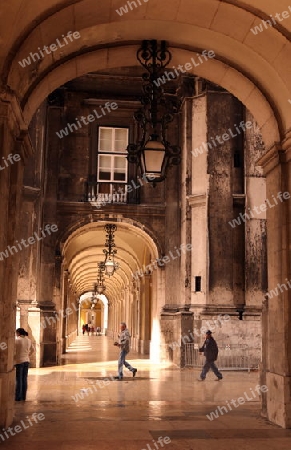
(113, 155)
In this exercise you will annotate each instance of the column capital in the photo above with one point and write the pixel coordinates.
(8, 100)
(197, 200)
(271, 159)
(276, 154)
(24, 145)
(286, 143)
(11, 114)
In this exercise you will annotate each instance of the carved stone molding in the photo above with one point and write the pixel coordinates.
(197, 200)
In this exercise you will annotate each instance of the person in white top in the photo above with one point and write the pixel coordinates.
(23, 350)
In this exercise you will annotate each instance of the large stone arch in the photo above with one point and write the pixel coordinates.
(256, 69)
(215, 71)
(251, 67)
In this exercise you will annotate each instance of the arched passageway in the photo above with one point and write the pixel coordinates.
(130, 295)
(254, 68)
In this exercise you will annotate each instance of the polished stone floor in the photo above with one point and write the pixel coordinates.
(78, 406)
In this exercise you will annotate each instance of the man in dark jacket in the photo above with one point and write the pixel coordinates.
(210, 350)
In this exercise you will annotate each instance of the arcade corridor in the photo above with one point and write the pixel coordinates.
(134, 413)
(153, 146)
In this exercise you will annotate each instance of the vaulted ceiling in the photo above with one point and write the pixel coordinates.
(84, 249)
(254, 67)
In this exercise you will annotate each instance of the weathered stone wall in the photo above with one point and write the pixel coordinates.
(231, 259)
(13, 142)
(226, 249)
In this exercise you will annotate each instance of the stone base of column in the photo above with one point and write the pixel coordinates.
(278, 399)
(140, 346)
(144, 347)
(227, 328)
(7, 394)
(176, 329)
(50, 352)
(71, 337)
(33, 320)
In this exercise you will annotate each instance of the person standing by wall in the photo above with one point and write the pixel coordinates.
(23, 350)
(124, 345)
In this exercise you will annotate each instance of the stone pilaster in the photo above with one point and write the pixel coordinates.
(198, 201)
(276, 365)
(13, 141)
(145, 315)
(176, 328)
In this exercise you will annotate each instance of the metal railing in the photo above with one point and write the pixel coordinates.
(102, 199)
(108, 193)
(230, 357)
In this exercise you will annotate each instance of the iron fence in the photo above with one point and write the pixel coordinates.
(230, 357)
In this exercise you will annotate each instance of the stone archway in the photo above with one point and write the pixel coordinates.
(99, 312)
(240, 66)
(124, 298)
(256, 69)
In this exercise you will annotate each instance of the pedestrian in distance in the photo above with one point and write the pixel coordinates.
(124, 345)
(210, 350)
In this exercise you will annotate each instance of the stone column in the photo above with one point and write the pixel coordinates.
(49, 268)
(70, 311)
(276, 365)
(176, 326)
(178, 258)
(134, 295)
(31, 222)
(198, 201)
(33, 323)
(13, 142)
(226, 246)
(145, 318)
(65, 294)
(228, 255)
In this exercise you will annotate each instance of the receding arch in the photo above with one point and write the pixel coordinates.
(215, 71)
(82, 246)
(249, 70)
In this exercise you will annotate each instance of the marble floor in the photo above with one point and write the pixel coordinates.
(78, 406)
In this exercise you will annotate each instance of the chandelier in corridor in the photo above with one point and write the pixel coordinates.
(94, 299)
(100, 287)
(153, 153)
(109, 264)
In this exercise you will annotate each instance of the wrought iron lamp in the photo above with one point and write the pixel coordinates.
(94, 299)
(153, 153)
(110, 265)
(100, 287)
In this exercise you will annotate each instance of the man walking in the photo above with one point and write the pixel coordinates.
(124, 345)
(210, 350)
